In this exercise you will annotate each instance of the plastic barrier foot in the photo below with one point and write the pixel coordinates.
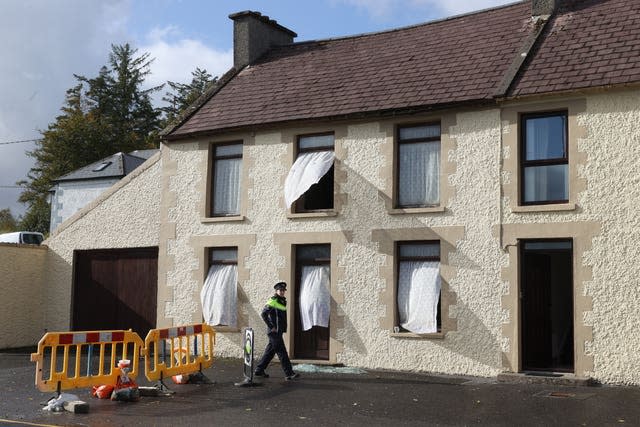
(247, 382)
(163, 389)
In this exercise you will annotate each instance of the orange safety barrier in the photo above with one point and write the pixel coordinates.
(178, 350)
(67, 360)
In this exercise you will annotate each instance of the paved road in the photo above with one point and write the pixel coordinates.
(327, 399)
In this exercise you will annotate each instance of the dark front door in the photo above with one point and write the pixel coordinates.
(547, 305)
(312, 302)
(115, 289)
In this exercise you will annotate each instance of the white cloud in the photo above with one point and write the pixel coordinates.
(159, 34)
(175, 59)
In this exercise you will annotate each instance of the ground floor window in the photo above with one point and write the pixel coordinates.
(220, 290)
(418, 287)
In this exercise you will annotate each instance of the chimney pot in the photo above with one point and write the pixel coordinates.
(254, 34)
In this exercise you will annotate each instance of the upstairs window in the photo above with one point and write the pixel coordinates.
(418, 166)
(226, 173)
(544, 159)
(419, 285)
(220, 290)
(309, 184)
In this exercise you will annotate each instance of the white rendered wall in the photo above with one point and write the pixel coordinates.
(473, 349)
(611, 199)
(72, 196)
(125, 216)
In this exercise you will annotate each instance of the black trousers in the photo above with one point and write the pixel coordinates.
(275, 346)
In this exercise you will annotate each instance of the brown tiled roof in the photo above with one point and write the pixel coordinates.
(588, 43)
(469, 58)
(455, 60)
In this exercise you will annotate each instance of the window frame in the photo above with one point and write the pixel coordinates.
(299, 262)
(523, 164)
(396, 178)
(398, 259)
(212, 249)
(212, 178)
(298, 205)
(210, 262)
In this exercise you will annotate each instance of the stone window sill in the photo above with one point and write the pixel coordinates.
(323, 214)
(560, 207)
(235, 218)
(401, 211)
(435, 336)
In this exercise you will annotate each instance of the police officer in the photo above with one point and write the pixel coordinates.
(274, 315)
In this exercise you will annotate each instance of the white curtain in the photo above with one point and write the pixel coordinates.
(219, 295)
(306, 171)
(536, 178)
(418, 296)
(538, 136)
(315, 297)
(226, 196)
(419, 174)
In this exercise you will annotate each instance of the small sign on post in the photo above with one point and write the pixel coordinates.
(247, 351)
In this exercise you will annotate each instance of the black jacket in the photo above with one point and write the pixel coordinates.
(274, 314)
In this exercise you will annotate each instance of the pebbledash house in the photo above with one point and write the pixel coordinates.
(458, 197)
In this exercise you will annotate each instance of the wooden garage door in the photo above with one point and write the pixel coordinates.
(115, 289)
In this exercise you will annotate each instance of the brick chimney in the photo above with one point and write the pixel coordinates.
(543, 7)
(254, 34)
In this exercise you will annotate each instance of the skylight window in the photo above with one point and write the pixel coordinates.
(102, 166)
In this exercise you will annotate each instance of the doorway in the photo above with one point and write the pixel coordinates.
(312, 307)
(546, 303)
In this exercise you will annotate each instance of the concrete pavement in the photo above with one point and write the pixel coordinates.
(370, 398)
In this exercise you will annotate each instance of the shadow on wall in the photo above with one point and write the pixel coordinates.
(249, 317)
(481, 346)
(355, 344)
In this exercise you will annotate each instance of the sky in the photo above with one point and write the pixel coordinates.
(43, 43)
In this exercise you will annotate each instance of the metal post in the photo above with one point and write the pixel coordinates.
(89, 354)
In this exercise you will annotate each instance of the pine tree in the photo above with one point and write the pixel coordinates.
(117, 99)
(101, 116)
(185, 94)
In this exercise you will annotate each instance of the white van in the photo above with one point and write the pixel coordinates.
(24, 237)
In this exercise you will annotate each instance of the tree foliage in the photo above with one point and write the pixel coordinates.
(101, 116)
(7, 222)
(185, 94)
